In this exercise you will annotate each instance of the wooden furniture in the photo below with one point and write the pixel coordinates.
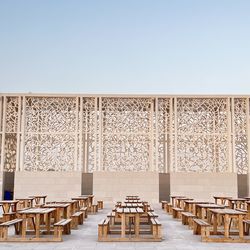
(61, 210)
(74, 206)
(84, 210)
(36, 215)
(176, 212)
(246, 224)
(82, 200)
(235, 203)
(201, 227)
(190, 205)
(164, 204)
(222, 200)
(5, 226)
(9, 209)
(62, 227)
(202, 209)
(173, 199)
(103, 229)
(77, 219)
(39, 200)
(100, 204)
(156, 228)
(180, 201)
(227, 215)
(24, 203)
(187, 219)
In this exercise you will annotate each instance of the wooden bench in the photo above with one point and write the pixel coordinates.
(77, 219)
(176, 212)
(246, 224)
(152, 214)
(94, 208)
(85, 212)
(111, 216)
(201, 227)
(163, 204)
(103, 229)
(62, 227)
(187, 219)
(169, 208)
(100, 204)
(5, 225)
(155, 228)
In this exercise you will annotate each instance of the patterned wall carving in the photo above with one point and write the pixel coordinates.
(202, 134)
(125, 133)
(240, 130)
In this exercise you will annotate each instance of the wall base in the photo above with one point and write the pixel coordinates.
(203, 185)
(114, 186)
(57, 185)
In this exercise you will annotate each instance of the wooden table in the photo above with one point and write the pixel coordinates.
(190, 205)
(248, 210)
(128, 213)
(179, 201)
(173, 199)
(83, 201)
(234, 203)
(9, 209)
(74, 205)
(62, 210)
(201, 209)
(132, 197)
(228, 214)
(90, 199)
(25, 202)
(129, 205)
(132, 201)
(221, 199)
(35, 214)
(39, 199)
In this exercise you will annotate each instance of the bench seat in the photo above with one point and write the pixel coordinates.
(201, 227)
(5, 225)
(62, 227)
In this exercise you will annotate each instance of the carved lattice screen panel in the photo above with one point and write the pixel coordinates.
(202, 135)
(240, 135)
(164, 134)
(127, 129)
(50, 133)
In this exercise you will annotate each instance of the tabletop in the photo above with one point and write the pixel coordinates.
(37, 211)
(56, 205)
(129, 210)
(227, 211)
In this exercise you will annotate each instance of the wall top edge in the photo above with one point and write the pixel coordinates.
(124, 95)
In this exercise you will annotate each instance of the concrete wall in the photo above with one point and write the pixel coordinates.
(164, 187)
(203, 185)
(114, 186)
(57, 185)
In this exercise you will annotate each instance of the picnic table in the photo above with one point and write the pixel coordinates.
(36, 215)
(74, 205)
(82, 200)
(234, 203)
(128, 213)
(190, 205)
(174, 197)
(179, 201)
(90, 199)
(132, 197)
(62, 210)
(9, 208)
(202, 209)
(39, 199)
(129, 205)
(132, 201)
(223, 200)
(228, 215)
(25, 202)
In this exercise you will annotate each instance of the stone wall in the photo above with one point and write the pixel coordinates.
(203, 185)
(114, 186)
(57, 185)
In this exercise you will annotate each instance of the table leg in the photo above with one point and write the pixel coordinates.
(48, 219)
(24, 226)
(215, 224)
(226, 225)
(137, 225)
(37, 225)
(123, 225)
(241, 229)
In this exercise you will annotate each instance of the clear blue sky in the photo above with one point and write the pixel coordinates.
(129, 46)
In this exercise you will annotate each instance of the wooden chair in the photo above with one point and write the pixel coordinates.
(62, 227)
